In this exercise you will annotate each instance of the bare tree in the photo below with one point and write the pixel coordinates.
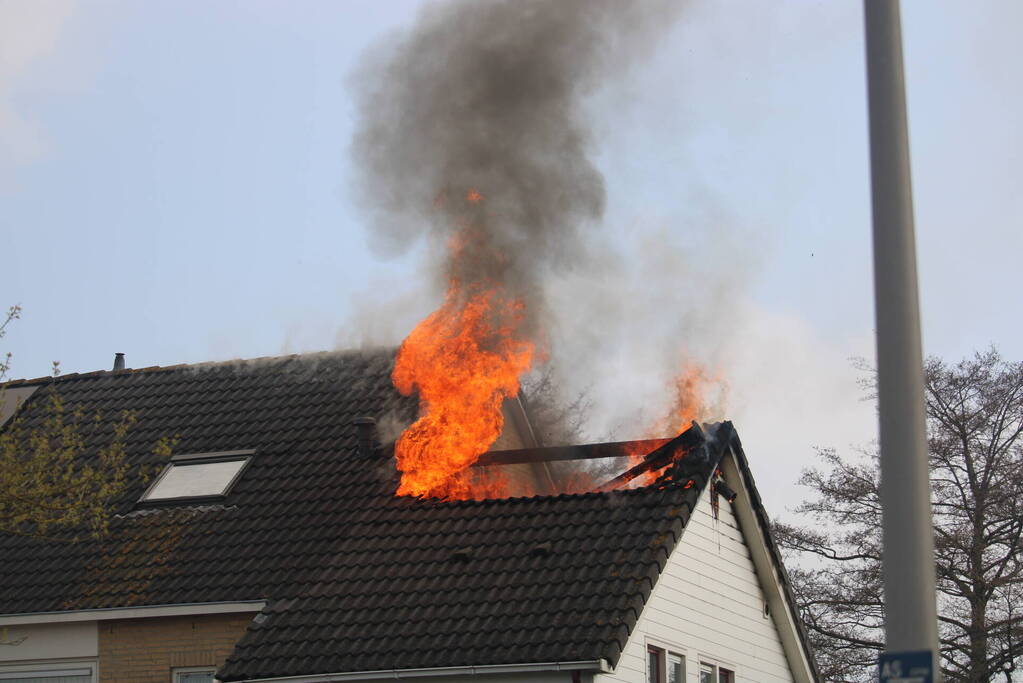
(13, 313)
(975, 423)
(555, 421)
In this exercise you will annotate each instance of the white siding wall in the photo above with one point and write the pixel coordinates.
(707, 606)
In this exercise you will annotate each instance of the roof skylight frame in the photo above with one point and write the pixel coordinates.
(196, 460)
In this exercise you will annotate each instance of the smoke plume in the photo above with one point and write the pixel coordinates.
(474, 134)
(474, 121)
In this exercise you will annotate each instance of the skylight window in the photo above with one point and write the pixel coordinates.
(197, 476)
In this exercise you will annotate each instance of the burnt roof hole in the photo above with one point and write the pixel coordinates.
(462, 554)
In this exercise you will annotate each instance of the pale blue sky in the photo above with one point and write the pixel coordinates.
(175, 184)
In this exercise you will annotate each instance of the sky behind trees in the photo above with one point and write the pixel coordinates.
(176, 184)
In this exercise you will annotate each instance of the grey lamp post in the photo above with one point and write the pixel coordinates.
(909, 585)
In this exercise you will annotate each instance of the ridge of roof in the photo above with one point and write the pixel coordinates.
(201, 365)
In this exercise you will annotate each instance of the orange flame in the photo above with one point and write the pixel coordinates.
(690, 390)
(689, 395)
(464, 359)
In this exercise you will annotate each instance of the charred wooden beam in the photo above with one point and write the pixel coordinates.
(614, 449)
(697, 461)
(685, 442)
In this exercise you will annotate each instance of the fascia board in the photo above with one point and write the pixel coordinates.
(782, 611)
(141, 612)
(596, 666)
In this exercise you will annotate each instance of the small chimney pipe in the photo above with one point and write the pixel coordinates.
(726, 491)
(365, 429)
(118, 361)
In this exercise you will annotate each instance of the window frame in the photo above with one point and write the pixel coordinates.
(193, 670)
(192, 460)
(682, 661)
(51, 668)
(663, 651)
(658, 657)
(716, 666)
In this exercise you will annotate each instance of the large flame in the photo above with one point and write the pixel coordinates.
(464, 360)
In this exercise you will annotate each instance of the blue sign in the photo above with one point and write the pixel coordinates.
(906, 667)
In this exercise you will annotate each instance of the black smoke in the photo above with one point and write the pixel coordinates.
(488, 97)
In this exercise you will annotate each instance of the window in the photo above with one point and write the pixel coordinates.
(676, 668)
(201, 475)
(710, 673)
(51, 674)
(655, 666)
(664, 667)
(203, 674)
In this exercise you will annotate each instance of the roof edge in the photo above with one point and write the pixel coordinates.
(596, 665)
(752, 507)
(137, 612)
(201, 365)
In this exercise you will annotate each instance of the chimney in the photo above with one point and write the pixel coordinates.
(365, 429)
(118, 361)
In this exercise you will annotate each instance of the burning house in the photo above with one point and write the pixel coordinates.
(366, 515)
(279, 543)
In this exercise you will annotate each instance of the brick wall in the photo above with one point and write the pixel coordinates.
(145, 650)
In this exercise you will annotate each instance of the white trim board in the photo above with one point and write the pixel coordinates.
(42, 667)
(141, 612)
(770, 574)
(596, 666)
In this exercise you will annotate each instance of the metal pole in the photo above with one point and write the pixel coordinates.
(909, 587)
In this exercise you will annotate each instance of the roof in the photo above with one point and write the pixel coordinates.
(355, 578)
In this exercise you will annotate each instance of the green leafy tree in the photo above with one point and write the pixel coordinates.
(975, 442)
(48, 481)
(51, 485)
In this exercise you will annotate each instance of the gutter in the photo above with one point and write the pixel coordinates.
(139, 612)
(596, 666)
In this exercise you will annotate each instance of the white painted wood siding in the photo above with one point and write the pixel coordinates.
(707, 606)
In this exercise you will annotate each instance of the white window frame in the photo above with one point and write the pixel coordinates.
(193, 670)
(664, 649)
(716, 664)
(667, 662)
(40, 669)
